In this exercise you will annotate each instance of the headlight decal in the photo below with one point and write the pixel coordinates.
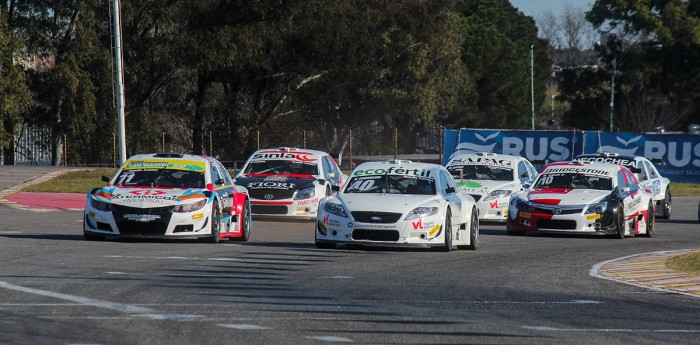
(421, 212)
(599, 207)
(305, 193)
(100, 205)
(335, 209)
(190, 207)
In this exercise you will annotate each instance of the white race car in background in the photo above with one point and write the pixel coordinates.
(647, 174)
(491, 179)
(399, 203)
(289, 182)
(586, 198)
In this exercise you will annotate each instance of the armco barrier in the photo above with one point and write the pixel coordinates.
(680, 152)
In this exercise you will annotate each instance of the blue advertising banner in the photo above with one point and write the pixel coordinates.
(680, 152)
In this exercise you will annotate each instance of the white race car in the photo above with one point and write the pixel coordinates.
(491, 179)
(647, 174)
(168, 195)
(289, 182)
(583, 197)
(399, 203)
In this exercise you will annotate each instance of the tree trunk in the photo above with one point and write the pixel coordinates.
(198, 123)
(9, 149)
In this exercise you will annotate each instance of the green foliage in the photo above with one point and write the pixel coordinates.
(79, 181)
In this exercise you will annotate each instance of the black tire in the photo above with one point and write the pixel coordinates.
(650, 220)
(447, 246)
(620, 223)
(246, 224)
(666, 205)
(215, 224)
(474, 231)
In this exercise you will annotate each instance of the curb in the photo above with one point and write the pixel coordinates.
(18, 187)
(648, 270)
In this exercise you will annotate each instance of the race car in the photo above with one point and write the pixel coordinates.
(647, 174)
(491, 179)
(289, 182)
(399, 203)
(585, 198)
(169, 195)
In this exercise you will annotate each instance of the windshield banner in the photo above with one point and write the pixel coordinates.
(679, 152)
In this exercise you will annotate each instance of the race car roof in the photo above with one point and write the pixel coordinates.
(294, 153)
(592, 168)
(397, 167)
(483, 158)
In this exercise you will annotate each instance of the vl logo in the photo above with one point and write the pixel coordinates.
(417, 225)
(625, 150)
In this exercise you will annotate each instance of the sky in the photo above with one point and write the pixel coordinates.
(535, 8)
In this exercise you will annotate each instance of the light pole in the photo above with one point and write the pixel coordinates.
(612, 92)
(532, 84)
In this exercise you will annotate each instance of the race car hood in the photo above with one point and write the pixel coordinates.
(276, 182)
(396, 203)
(562, 196)
(149, 197)
(486, 186)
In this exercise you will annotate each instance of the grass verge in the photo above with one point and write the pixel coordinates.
(79, 181)
(689, 263)
(685, 189)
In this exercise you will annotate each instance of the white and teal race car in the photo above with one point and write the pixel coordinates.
(491, 179)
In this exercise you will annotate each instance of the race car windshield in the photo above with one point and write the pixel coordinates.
(481, 172)
(160, 178)
(574, 181)
(391, 184)
(281, 167)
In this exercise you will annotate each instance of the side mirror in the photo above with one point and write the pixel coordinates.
(105, 179)
(219, 182)
(450, 190)
(625, 189)
(330, 175)
(524, 175)
(335, 188)
(321, 181)
(526, 186)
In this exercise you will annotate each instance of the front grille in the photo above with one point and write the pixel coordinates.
(142, 221)
(104, 226)
(476, 197)
(268, 209)
(142, 228)
(562, 210)
(272, 194)
(376, 235)
(376, 217)
(556, 224)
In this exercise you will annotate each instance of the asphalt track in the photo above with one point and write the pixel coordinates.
(56, 288)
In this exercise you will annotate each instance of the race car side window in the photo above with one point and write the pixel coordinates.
(652, 170)
(643, 175)
(621, 180)
(532, 170)
(523, 174)
(214, 174)
(446, 183)
(632, 183)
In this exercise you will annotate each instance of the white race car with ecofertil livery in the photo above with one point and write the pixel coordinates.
(491, 179)
(398, 203)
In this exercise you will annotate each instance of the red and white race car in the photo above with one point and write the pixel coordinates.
(289, 182)
(583, 197)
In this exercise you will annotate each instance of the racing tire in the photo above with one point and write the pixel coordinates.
(666, 206)
(474, 231)
(215, 224)
(246, 224)
(650, 220)
(620, 223)
(447, 247)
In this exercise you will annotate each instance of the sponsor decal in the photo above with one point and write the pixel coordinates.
(470, 184)
(417, 225)
(327, 220)
(145, 195)
(298, 155)
(192, 194)
(527, 215)
(377, 226)
(308, 202)
(492, 162)
(493, 204)
(271, 185)
(280, 178)
(197, 216)
(161, 164)
(626, 162)
(634, 203)
(142, 217)
(394, 171)
(593, 216)
(578, 170)
(434, 230)
(147, 192)
(104, 194)
(505, 212)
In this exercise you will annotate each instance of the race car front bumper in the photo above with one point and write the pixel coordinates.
(575, 222)
(305, 209)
